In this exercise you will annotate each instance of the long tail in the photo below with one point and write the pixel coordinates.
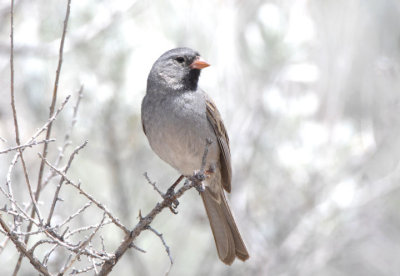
(226, 234)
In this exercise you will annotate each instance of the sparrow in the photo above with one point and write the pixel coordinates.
(178, 119)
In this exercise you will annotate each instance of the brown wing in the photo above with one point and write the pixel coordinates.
(215, 120)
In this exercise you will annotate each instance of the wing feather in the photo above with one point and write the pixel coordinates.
(215, 120)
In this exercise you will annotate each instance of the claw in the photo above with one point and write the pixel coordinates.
(200, 188)
(170, 194)
(173, 210)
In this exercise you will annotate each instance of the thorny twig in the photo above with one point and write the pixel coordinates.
(59, 236)
(83, 245)
(88, 196)
(165, 245)
(144, 222)
(67, 141)
(48, 132)
(21, 248)
(57, 192)
(34, 143)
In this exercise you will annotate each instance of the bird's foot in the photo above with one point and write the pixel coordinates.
(200, 187)
(173, 202)
(198, 178)
(170, 195)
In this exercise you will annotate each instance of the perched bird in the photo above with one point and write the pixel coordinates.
(178, 118)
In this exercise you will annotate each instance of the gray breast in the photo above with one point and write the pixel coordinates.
(178, 128)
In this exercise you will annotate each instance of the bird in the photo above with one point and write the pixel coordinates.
(179, 119)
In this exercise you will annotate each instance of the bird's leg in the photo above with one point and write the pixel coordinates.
(200, 176)
(171, 195)
(210, 170)
(171, 189)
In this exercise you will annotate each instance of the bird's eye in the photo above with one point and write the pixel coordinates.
(180, 59)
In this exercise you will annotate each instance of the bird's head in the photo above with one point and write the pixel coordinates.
(177, 69)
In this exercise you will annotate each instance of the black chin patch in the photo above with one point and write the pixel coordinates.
(192, 79)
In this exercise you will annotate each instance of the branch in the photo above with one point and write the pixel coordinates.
(56, 198)
(165, 246)
(88, 196)
(143, 225)
(34, 143)
(54, 98)
(67, 141)
(144, 222)
(83, 245)
(52, 106)
(21, 248)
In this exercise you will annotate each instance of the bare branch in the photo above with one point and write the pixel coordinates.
(49, 121)
(10, 195)
(54, 98)
(80, 211)
(14, 110)
(56, 194)
(145, 222)
(48, 132)
(21, 248)
(83, 245)
(85, 228)
(153, 184)
(134, 246)
(165, 246)
(34, 143)
(88, 196)
(67, 141)
(43, 128)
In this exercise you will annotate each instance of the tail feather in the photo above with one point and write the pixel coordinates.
(227, 238)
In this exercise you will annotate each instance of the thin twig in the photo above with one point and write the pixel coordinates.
(43, 128)
(48, 132)
(134, 246)
(21, 248)
(15, 116)
(49, 121)
(80, 211)
(88, 196)
(76, 248)
(83, 229)
(47, 255)
(15, 159)
(21, 212)
(57, 192)
(154, 185)
(86, 269)
(67, 141)
(144, 222)
(14, 110)
(165, 246)
(83, 245)
(54, 98)
(10, 195)
(34, 143)
(142, 225)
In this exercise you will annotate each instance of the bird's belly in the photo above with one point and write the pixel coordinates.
(183, 144)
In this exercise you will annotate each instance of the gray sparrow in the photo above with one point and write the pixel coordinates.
(178, 118)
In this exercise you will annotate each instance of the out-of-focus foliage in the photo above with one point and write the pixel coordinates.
(310, 95)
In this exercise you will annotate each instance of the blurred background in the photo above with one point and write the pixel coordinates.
(309, 92)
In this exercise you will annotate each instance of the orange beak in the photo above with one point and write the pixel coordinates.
(199, 63)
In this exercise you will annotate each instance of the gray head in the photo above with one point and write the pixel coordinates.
(176, 70)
